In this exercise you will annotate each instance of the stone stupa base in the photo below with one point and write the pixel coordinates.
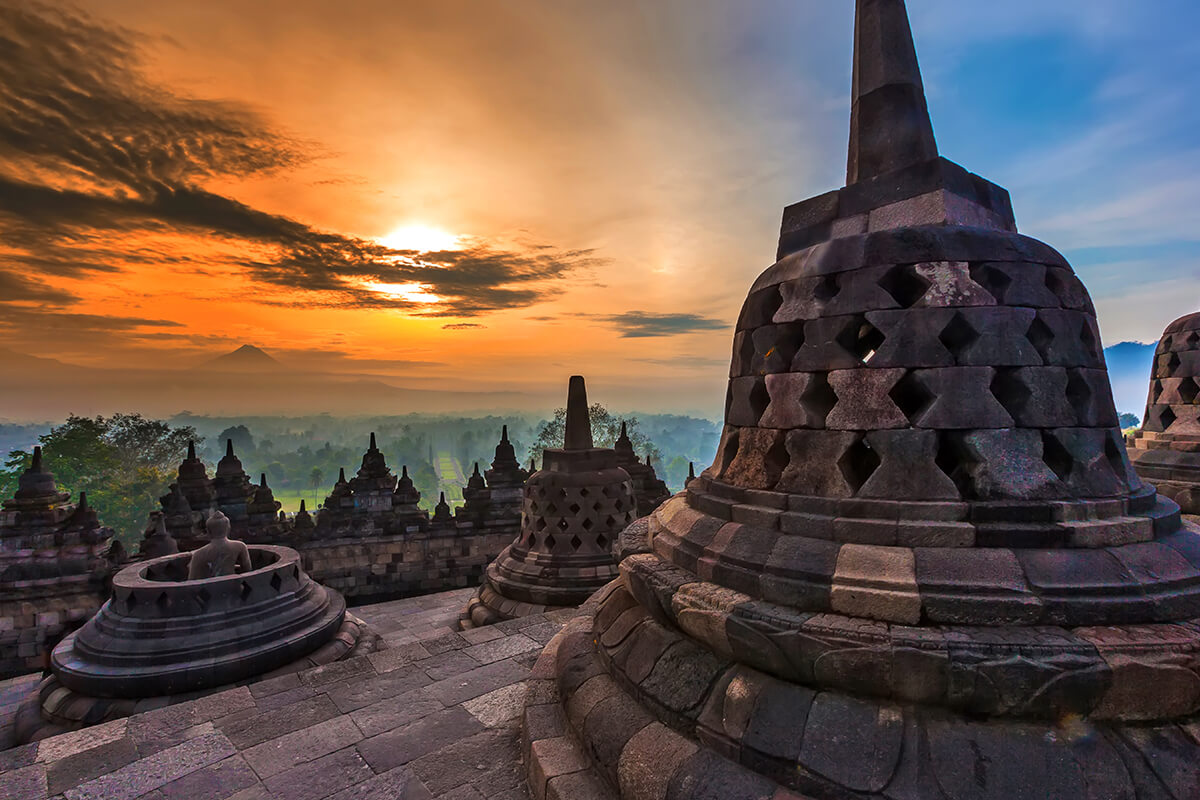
(668, 685)
(1172, 463)
(622, 706)
(53, 708)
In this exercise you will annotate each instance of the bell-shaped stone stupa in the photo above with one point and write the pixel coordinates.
(1166, 451)
(575, 508)
(921, 565)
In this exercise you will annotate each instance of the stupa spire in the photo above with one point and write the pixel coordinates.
(889, 122)
(579, 425)
(191, 451)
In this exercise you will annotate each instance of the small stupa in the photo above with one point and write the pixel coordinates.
(921, 566)
(575, 508)
(650, 491)
(374, 484)
(1166, 451)
(55, 558)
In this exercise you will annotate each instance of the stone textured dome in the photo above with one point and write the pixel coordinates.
(1166, 451)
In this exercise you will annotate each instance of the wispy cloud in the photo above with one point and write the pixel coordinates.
(643, 325)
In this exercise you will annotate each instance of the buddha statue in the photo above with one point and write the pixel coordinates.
(221, 556)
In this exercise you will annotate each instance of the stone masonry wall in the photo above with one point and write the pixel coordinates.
(371, 570)
(36, 614)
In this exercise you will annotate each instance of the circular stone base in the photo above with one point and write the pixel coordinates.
(676, 720)
(487, 607)
(53, 708)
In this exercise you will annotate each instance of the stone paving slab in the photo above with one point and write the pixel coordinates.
(435, 716)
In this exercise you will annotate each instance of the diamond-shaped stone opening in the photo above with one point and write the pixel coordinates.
(295, 573)
(550, 542)
(1193, 340)
(1173, 362)
(276, 582)
(991, 278)
(619, 504)
(954, 460)
(576, 542)
(958, 335)
(563, 524)
(867, 341)
(827, 288)
(162, 601)
(1156, 390)
(819, 398)
(1079, 395)
(1114, 452)
(203, 598)
(904, 285)
(584, 492)
(1057, 458)
(246, 591)
(597, 506)
(910, 396)
(551, 509)
(562, 494)
(1188, 389)
(858, 463)
(1088, 337)
(540, 524)
(759, 399)
(602, 542)
(1055, 283)
(728, 453)
(1168, 417)
(587, 523)
(1040, 336)
(606, 491)
(575, 508)
(131, 602)
(611, 522)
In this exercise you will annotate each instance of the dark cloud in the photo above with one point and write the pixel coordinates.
(462, 326)
(90, 149)
(641, 325)
(15, 288)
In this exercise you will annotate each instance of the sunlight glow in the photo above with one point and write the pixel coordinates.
(421, 238)
(412, 292)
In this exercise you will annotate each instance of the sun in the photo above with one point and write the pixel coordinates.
(421, 238)
(412, 292)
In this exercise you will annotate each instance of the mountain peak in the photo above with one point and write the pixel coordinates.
(246, 357)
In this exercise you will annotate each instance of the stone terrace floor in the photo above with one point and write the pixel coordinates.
(434, 716)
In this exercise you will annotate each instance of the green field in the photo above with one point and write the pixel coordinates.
(452, 479)
(290, 498)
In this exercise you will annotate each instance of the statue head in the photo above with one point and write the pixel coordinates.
(217, 526)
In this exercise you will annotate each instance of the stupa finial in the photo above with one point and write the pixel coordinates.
(372, 446)
(504, 434)
(229, 448)
(191, 450)
(579, 425)
(889, 123)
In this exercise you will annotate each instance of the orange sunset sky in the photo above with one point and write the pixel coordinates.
(489, 194)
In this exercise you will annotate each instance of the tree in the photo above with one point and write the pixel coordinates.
(315, 479)
(605, 430)
(124, 462)
(276, 473)
(1128, 421)
(243, 441)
